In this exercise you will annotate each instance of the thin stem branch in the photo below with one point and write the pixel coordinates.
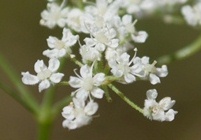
(14, 94)
(126, 99)
(44, 129)
(181, 54)
(23, 92)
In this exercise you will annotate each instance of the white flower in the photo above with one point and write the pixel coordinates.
(102, 39)
(149, 71)
(89, 53)
(45, 75)
(87, 83)
(77, 114)
(103, 12)
(139, 37)
(158, 111)
(75, 20)
(60, 48)
(54, 15)
(192, 14)
(121, 68)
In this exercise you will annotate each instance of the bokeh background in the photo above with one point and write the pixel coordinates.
(22, 41)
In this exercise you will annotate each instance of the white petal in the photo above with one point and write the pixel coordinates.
(29, 79)
(51, 41)
(163, 71)
(170, 115)
(127, 19)
(44, 85)
(117, 72)
(166, 103)
(82, 94)
(69, 124)
(154, 79)
(91, 108)
(129, 78)
(56, 77)
(152, 94)
(53, 64)
(98, 79)
(39, 66)
(140, 37)
(159, 116)
(78, 103)
(145, 60)
(68, 112)
(97, 93)
(85, 71)
(89, 42)
(75, 82)
(51, 53)
(100, 47)
(69, 38)
(114, 43)
(150, 103)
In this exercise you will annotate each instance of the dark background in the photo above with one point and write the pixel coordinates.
(22, 41)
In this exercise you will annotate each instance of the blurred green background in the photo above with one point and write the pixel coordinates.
(22, 41)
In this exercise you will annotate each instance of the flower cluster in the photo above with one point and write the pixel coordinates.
(158, 111)
(108, 36)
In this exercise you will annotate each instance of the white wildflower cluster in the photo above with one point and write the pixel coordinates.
(108, 36)
(192, 14)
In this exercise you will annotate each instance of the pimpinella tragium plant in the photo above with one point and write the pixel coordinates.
(100, 37)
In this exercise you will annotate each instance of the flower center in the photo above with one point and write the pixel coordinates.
(60, 44)
(88, 83)
(101, 38)
(44, 74)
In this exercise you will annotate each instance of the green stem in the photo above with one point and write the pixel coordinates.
(25, 95)
(44, 129)
(14, 94)
(181, 54)
(127, 100)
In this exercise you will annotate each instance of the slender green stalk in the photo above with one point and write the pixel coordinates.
(127, 100)
(107, 95)
(181, 54)
(23, 92)
(14, 94)
(44, 129)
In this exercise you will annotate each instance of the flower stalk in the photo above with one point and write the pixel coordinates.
(22, 94)
(181, 54)
(126, 99)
